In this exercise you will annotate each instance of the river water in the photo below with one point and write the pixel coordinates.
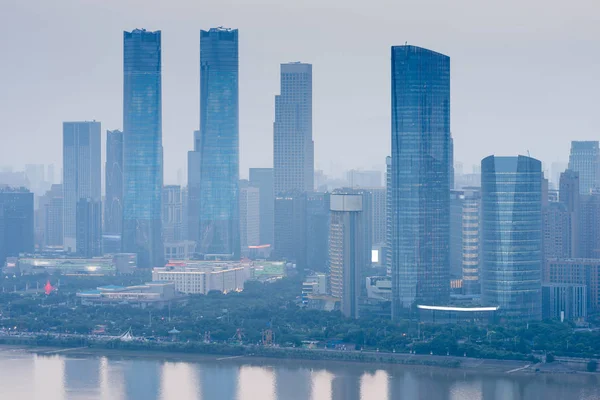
(25, 376)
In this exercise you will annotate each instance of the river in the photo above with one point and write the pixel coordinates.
(60, 376)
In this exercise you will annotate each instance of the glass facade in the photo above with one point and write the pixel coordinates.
(113, 200)
(585, 159)
(420, 178)
(142, 147)
(512, 236)
(218, 145)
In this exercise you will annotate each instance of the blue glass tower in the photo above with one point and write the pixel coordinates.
(511, 189)
(218, 144)
(420, 178)
(142, 147)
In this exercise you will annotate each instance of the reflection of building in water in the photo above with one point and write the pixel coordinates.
(217, 381)
(142, 379)
(374, 385)
(292, 383)
(255, 383)
(403, 385)
(112, 385)
(345, 386)
(179, 381)
(82, 377)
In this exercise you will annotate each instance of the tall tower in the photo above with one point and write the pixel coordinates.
(420, 178)
(81, 173)
(142, 147)
(217, 145)
(585, 159)
(293, 146)
(113, 199)
(511, 199)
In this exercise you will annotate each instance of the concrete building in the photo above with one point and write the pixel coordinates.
(204, 277)
(249, 218)
(564, 301)
(574, 271)
(556, 226)
(81, 173)
(347, 258)
(293, 146)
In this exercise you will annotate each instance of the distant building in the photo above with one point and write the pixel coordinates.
(379, 288)
(81, 173)
(262, 178)
(203, 276)
(16, 222)
(364, 179)
(113, 199)
(290, 228)
(124, 263)
(182, 250)
(589, 226)
(249, 218)
(293, 146)
(151, 294)
(142, 146)
(347, 258)
(317, 230)
(172, 213)
(457, 198)
(389, 217)
(576, 272)
(378, 215)
(564, 301)
(218, 172)
(585, 159)
(89, 228)
(556, 224)
(511, 278)
(314, 285)
(569, 196)
(52, 215)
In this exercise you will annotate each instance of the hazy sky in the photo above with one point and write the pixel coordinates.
(525, 73)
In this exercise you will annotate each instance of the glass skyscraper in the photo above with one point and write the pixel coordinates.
(511, 199)
(142, 147)
(420, 178)
(217, 145)
(113, 200)
(585, 159)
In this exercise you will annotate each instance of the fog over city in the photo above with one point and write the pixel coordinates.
(524, 74)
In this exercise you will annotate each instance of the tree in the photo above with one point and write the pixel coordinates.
(592, 366)
(549, 358)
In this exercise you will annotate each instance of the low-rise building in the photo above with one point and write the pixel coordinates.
(152, 294)
(564, 301)
(201, 277)
(575, 271)
(122, 263)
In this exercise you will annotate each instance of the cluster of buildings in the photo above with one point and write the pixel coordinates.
(501, 240)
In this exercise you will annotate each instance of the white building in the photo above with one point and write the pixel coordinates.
(200, 277)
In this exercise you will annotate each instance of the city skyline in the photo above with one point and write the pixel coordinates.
(482, 119)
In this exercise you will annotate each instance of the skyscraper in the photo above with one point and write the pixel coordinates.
(113, 199)
(81, 173)
(585, 159)
(347, 244)
(389, 209)
(16, 222)
(290, 228)
(218, 142)
(89, 228)
(569, 196)
(142, 147)
(420, 178)
(471, 240)
(52, 215)
(249, 217)
(317, 230)
(511, 192)
(262, 178)
(293, 146)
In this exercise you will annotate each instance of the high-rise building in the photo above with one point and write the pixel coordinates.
(89, 228)
(556, 228)
(317, 230)
(451, 161)
(378, 214)
(457, 198)
(290, 228)
(172, 214)
(589, 226)
(293, 146)
(576, 271)
(389, 210)
(511, 192)
(471, 240)
(420, 178)
(193, 191)
(347, 244)
(363, 179)
(249, 217)
(113, 199)
(16, 222)
(52, 214)
(585, 159)
(218, 140)
(262, 178)
(142, 147)
(569, 196)
(564, 301)
(82, 171)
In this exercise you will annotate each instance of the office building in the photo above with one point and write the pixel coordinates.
(347, 258)
(142, 147)
(293, 146)
(420, 178)
(89, 228)
(218, 140)
(290, 228)
(451, 161)
(81, 173)
(389, 218)
(262, 178)
(556, 228)
(202, 277)
(74, 266)
(457, 198)
(16, 222)
(249, 218)
(564, 301)
(471, 240)
(589, 226)
(511, 278)
(113, 199)
(378, 215)
(172, 214)
(585, 159)
(193, 189)
(150, 294)
(52, 215)
(317, 230)
(574, 271)
(363, 179)
(570, 197)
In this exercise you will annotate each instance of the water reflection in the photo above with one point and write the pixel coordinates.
(61, 377)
